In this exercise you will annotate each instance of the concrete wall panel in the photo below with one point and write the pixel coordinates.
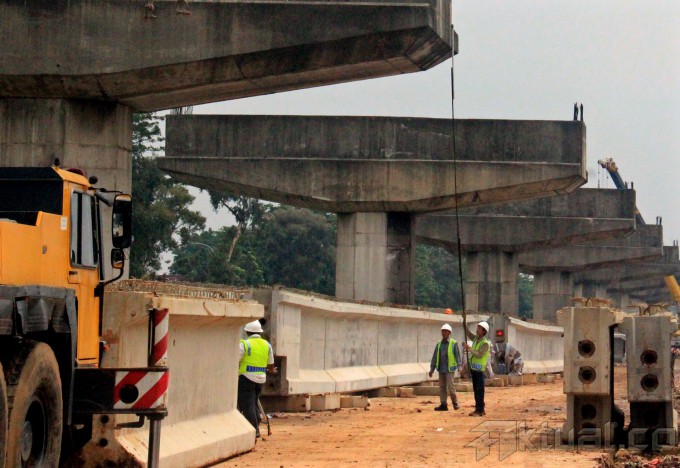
(348, 346)
(542, 346)
(203, 425)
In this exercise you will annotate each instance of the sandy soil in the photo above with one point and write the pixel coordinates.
(396, 432)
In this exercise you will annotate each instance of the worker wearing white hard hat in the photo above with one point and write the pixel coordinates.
(445, 360)
(256, 358)
(479, 357)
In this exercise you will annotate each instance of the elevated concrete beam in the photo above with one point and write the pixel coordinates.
(581, 216)
(639, 285)
(668, 264)
(491, 238)
(108, 50)
(652, 295)
(375, 164)
(644, 244)
(553, 269)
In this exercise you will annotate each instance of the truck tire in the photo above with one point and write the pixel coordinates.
(35, 406)
(3, 418)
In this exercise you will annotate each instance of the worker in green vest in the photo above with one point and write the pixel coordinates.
(256, 358)
(445, 360)
(479, 356)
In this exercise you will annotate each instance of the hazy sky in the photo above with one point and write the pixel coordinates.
(531, 60)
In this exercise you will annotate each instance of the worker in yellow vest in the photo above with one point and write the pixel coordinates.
(256, 358)
(479, 356)
(445, 360)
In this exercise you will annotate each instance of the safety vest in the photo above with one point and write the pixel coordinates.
(255, 356)
(453, 365)
(479, 363)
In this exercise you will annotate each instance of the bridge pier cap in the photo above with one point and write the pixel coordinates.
(113, 51)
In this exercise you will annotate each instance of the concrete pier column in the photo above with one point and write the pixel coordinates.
(592, 289)
(491, 282)
(621, 299)
(552, 291)
(375, 257)
(94, 136)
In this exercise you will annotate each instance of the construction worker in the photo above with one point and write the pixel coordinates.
(445, 360)
(511, 357)
(256, 357)
(479, 357)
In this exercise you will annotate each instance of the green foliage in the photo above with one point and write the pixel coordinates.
(203, 259)
(525, 284)
(298, 249)
(288, 246)
(437, 278)
(161, 216)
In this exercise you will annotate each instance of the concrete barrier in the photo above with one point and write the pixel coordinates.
(542, 346)
(325, 345)
(203, 425)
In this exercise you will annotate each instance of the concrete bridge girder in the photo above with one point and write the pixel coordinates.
(553, 269)
(223, 50)
(645, 244)
(668, 264)
(376, 164)
(582, 216)
(492, 241)
(375, 172)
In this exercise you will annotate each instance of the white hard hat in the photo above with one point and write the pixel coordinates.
(484, 325)
(253, 327)
(446, 326)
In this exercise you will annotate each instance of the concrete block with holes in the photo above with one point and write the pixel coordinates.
(650, 380)
(588, 373)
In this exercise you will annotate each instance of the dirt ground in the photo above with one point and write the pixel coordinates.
(396, 432)
(406, 432)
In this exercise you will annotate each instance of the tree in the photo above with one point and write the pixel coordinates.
(161, 214)
(297, 248)
(245, 211)
(200, 259)
(437, 278)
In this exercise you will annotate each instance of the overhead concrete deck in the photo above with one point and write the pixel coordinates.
(645, 244)
(375, 172)
(109, 51)
(668, 264)
(582, 216)
(492, 237)
(553, 268)
(375, 164)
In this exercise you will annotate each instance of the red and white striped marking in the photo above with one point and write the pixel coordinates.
(152, 388)
(159, 354)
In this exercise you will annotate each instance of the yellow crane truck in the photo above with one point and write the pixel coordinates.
(52, 255)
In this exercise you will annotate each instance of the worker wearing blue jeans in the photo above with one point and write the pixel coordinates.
(479, 351)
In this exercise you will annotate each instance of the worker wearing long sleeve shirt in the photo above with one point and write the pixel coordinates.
(479, 356)
(445, 360)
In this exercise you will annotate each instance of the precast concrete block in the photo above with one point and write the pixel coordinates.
(650, 381)
(588, 337)
(426, 391)
(387, 392)
(327, 402)
(286, 404)
(649, 357)
(464, 387)
(516, 380)
(405, 392)
(354, 401)
(545, 378)
(589, 418)
(588, 376)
